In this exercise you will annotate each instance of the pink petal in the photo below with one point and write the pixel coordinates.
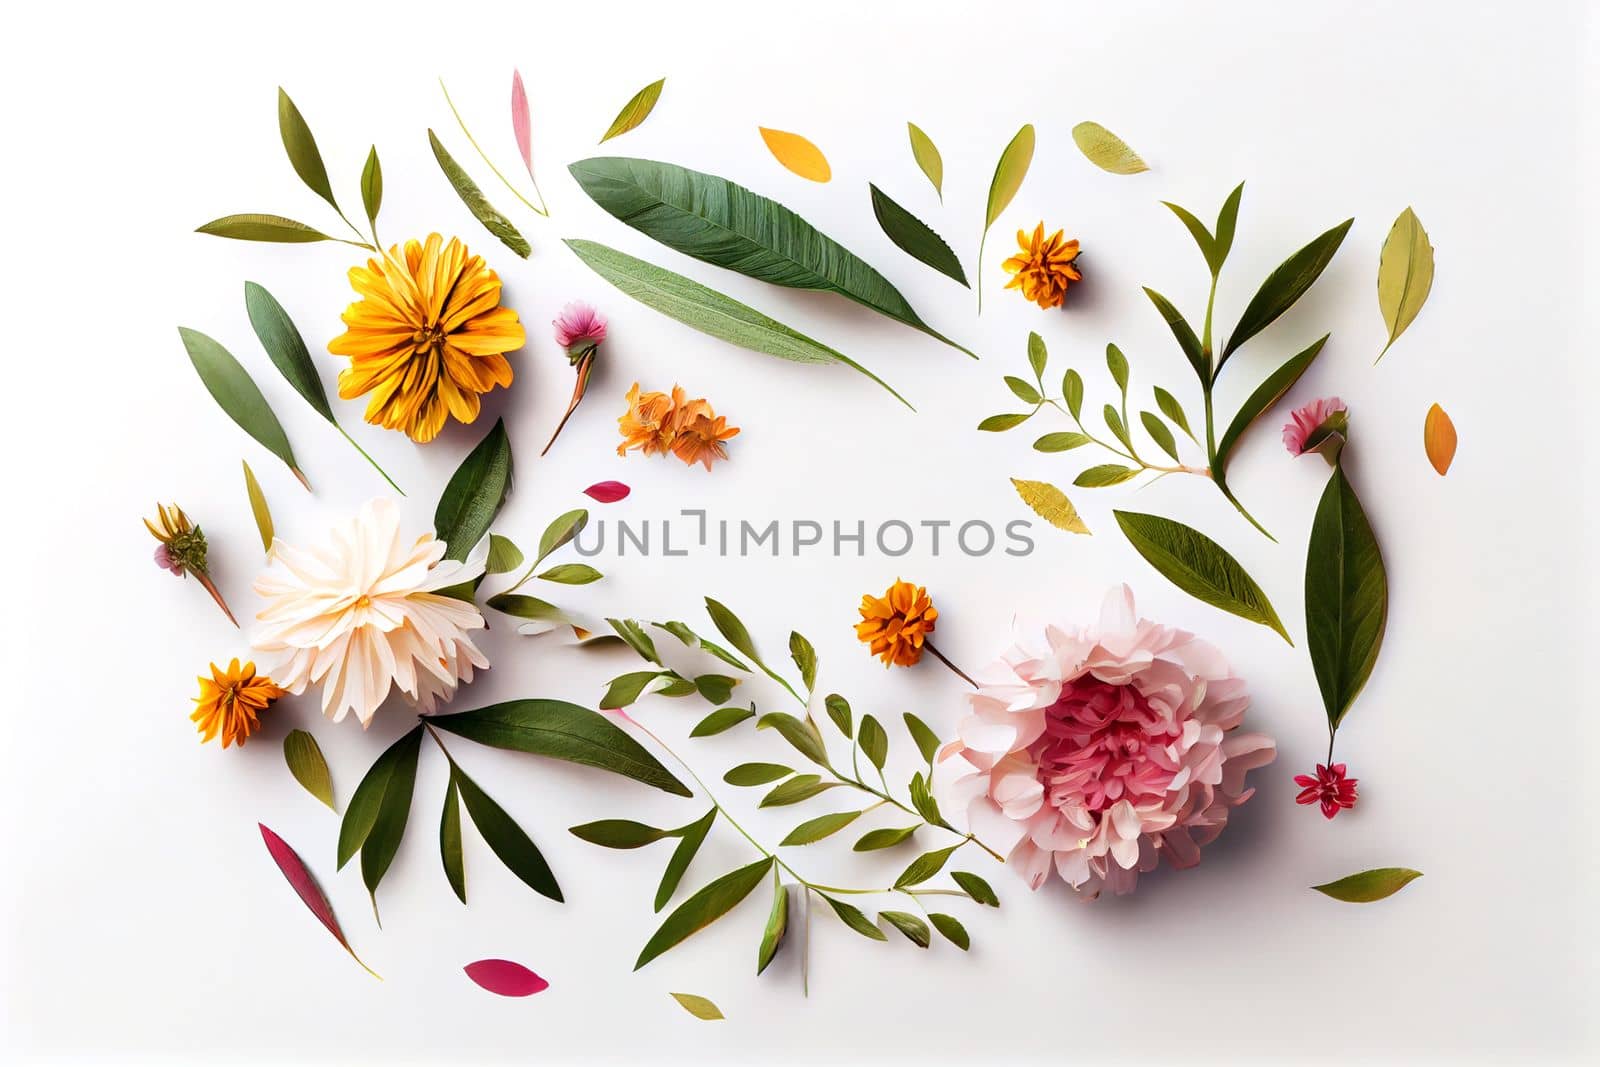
(520, 123)
(608, 492)
(506, 978)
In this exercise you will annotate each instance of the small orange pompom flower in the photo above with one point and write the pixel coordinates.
(658, 424)
(1044, 268)
(231, 702)
(895, 626)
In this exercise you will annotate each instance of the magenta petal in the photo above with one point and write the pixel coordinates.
(607, 492)
(506, 978)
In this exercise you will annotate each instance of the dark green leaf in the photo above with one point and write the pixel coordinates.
(694, 835)
(372, 186)
(302, 149)
(624, 689)
(951, 928)
(1227, 220)
(914, 238)
(1072, 392)
(1184, 333)
(562, 529)
(236, 394)
(777, 923)
(924, 867)
(975, 887)
(747, 774)
(922, 734)
(1284, 286)
(1104, 474)
(729, 626)
(304, 757)
(362, 812)
(888, 837)
(720, 720)
(915, 929)
(572, 574)
(855, 919)
(838, 709)
(285, 347)
(704, 908)
(1159, 433)
(504, 555)
(1368, 886)
(388, 826)
(474, 494)
(996, 423)
(254, 226)
(801, 734)
(805, 658)
(1347, 597)
(813, 830)
(926, 153)
(619, 833)
(727, 225)
(477, 203)
(562, 731)
(800, 787)
(874, 741)
(506, 839)
(1202, 237)
(1173, 410)
(636, 110)
(455, 870)
(1199, 566)
(1117, 364)
(1024, 391)
(635, 637)
(1278, 382)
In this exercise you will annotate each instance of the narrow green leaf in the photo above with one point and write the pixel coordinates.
(304, 757)
(285, 347)
(915, 929)
(1227, 221)
(799, 733)
(704, 908)
(720, 720)
(922, 735)
(805, 658)
(887, 837)
(926, 153)
(302, 149)
(619, 833)
(455, 870)
(1072, 392)
(1024, 391)
(1368, 886)
(1405, 274)
(777, 923)
(1159, 433)
(1199, 566)
(1202, 236)
(362, 811)
(729, 626)
(528, 607)
(748, 774)
(813, 830)
(838, 709)
(874, 741)
(1009, 173)
(1061, 441)
(237, 395)
(372, 186)
(1284, 286)
(562, 529)
(571, 574)
(997, 423)
(1347, 597)
(504, 555)
(924, 867)
(698, 1006)
(1267, 394)
(561, 731)
(259, 509)
(1103, 475)
(1114, 424)
(855, 918)
(635, 111)
(975, 887)
(1173, 410)
(1117, 364)
(914, 237)
(1106, 150)
(1038, 355)
(951, 928)
(507, 840)
(922, 799)
(254, 226)
(704, 309)
(694, 835)
(1184, 333)
(693, 640)
(474, 494)
(476, 202)
(635, 637)
(393, 810)
(716, 688)
(624, 689)
(800, 787)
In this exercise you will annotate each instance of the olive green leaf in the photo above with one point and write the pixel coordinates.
(1117, 364)
(1038, 355)
(627, 688)
(476, 202)
(1051, 505)
(926, 153)
(620, 833)
(915, 929)
(254, 226)
(709, 311)
(562, 529)
(1106, 150)
(704, 908)
(813, 830)
(231, 386)
(729, 626)
(698, 1006)
(997, 423)
(375, 819)
(1024, 391)
(1285, 285)
(777, 923)
(1103, 475)
(874, 741)
(748, 774)
(802, 734)
(805, 658)
(372, 186)
(1185, 336)
(302, 149)
(304, 757)
(1061, 441)
(1347, 597)
(720, 720)
(924, 867)
(855, 918)
(1199, 566)
(262, 515)
(800, 787)
(1159, 433)
(887, 837)
(913, 236)
(922, 735)
(1405, 275)
(571, 574)
(504, 555)
(455, 870)
(1114, 424)
(951, 928)
(975, 887)
(635, 111)
(838, 709)
(717, 688)
(1009, 172)
(1072, 392)
(1368, 886)
(1213, 246)
(474, 494)
(285, 347)
(693, 836)
(1174, 411)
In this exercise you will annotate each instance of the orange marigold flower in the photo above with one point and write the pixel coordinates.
(658, 423)
(701, 439)
(231, 702)
(895, 626)
(1044, 268)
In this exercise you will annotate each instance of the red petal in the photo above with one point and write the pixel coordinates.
(1305, 780)
(506, 978)
(608, 492)
(305, 885)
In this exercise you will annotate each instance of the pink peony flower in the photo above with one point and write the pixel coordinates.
(1310, 427)
(579, 328)
(1105, 750)
(1328, 787)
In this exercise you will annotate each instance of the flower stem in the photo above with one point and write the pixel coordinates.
(940, 656)
(216, 594)
(369, 459)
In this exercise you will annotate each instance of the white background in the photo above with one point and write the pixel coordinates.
(144, 916)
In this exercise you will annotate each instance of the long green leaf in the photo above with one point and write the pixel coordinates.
(926, 153)
(302, 149)
(722, 223)
(915, 929)
(976, 888)
(362, 811)
(561, 731)
(285, 347)
(1227, 223)
(394, 809)
(508, 841)
(450, 854)
(913, 236)
(1173, 410)
(474, 494)
(1284, 286)
(476, 202)
(1193, 351)
(619, 833)
(562, 529)
(236, 394)
(704, 908)
(710, 312)
(777, 923)
(1347, 597)
(304, 757)
(1368, 886)
(1405, 275)
(1159, 433)
(258, 507)
(814, 830)
(255, 226)
(798, 732)
(922, 735)
(372, 186)
(721, 720)
(1009, 173)
(887, 837)
(855, 919)
(924, 867)
(1267, 394)
(694, 835)
(636, 110)
(1199, 566)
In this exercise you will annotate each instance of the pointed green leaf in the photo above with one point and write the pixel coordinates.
(1009, 173)
(951, 928)
(285, 347)
(1106, 150)
(915, 929)
(1173, 410)
(624, 689)
(694, 835)
(474, 494)
(1051, 505)
(455, 870)
(1368, 886)
(1347, 597)
(748, 774)
(619, 833)
(698, 1006)
(261, 513)
(1227, 220)
(975, 887)
(1117, 364)
(506, 839)
(571, 574)
(1159, 433)
(635, 637)
(855, 919)
(924, 867)
(1202, 236)
(926, 153)
(1284, 286)
(874, 741)
(720, 720)
(1103, 475)
(704, 908)
(838, 709)
(922, 735)
(388, 824)
(777, 923)
(237, 395)
(1405, 275)
(1114, 424)
(805, 658)
(813, 830)
(372, 186)
(922, 799)
(562, 529)
(729, 626)
(1024, 391)
(1184, 333)
(801, 734)
(887, 837)
(997, 423)
(1038, 355)
(635, 111)
(1267, 394)
(254, 226)
(800, 787)
(716, 688)
(302, 149)
(362, 811)
(476, 202)
(1072, 392)
(304, 757)
(1199, 566)
(914, 237)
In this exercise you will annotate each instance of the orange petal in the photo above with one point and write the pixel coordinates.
(1439, 439)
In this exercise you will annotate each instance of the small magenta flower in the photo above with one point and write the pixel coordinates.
(1329, 787)
(165, 561)
(579, 329)
(1320, 426)
(182, 550)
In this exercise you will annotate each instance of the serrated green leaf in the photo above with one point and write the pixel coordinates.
(285, 347)
(476, 202)
(1285, 285)
(805, 658)
(1368, 886)
(506, 839)
(838, 709)
(372, 186)
(635, 111)
(1106, 150)
(951, 928)
(887, 837)
(800, 733)
(474, 494)
(874, 741)
(915, 929)
(704, 908)
(777, 923)
(237, 395)
(1199, 566)
(924, 867)
(914, 237)
(255, 226)
(1062, 441)
(1405, 275)
(1173, 410)
(1051, 505)
(922, 735)
(620, 833)
(975, 887)
(1346, 595)
(260, 512)
(302, 149)
(800, 787)
(504, 555)
(926, 153)
(304, 757)
(720, 720)
(1103, 475)
(694, 835)
(1024, 391)
(855, 918)
(1159, 433)
(571, 574)
(748, 774)
(450, 854)
(813, 830)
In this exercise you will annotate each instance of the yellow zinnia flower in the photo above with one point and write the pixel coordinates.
(896, 625)
(1044, 268)
(231, 702)
(426, 338)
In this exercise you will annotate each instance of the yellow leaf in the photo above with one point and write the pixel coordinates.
(798, 154)
(258, 508)
(1405, 275)
(699, 1007)
(1106, 150)
(1051, 504)
(1439, 438)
